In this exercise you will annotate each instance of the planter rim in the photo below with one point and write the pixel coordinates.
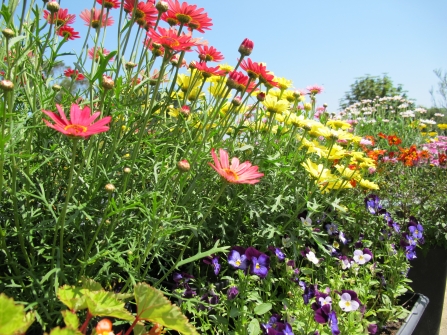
(410, 323)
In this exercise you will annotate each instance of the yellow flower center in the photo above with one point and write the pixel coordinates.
(169, 41)
(238, 262)
(75, 129)
(231, 174)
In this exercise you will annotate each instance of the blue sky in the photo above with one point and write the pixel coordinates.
(329, 43)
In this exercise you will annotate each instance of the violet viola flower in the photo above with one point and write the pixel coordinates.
(309, 291)
(333, 323)
(415, 228)
(331, 229)
(372, 203)
(361, 257)
(278, 252)
(237, 258)
(276, 327)
(232, 292)
(260, 265)
(322, 314)
(372, 329)
(213, 260)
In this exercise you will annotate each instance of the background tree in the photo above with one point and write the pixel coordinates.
(370, 87)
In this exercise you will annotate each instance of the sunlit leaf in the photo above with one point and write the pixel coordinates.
(70, 319)
(13, 319)
(102, 303)
(153, 306)
(72, 297)
(65, 331)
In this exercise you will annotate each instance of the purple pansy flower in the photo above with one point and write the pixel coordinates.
(333, 323)
(278, 252)
(415, 229)
(276, 327)
(349, 301)
(237, 258)
(232, 292)
(410, 252)
(332, 229)
(309, 291)
(372, 203)
(372, 329)
(361, 257)
(213, 260)
(260, 265)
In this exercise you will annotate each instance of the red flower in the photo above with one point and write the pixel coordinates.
(235, 173)
(68, 33)
(60, 18)
(442, 158)
(74, 74)
(246, 47)
(408, 156)
(95, 18)
(209, 54)
(109, 3)
(145, 13)
(258, 70)
(169, 39)
(99, 51)
(394, 140)
(239, 82)
(187, 15)
(382, 135)
(80, 123)
(314, 89)
(209, 71)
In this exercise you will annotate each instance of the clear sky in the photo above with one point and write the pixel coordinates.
(329, 43)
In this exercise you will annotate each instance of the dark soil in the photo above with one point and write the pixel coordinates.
(391, 328)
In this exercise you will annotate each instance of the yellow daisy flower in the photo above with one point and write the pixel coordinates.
(274, 105)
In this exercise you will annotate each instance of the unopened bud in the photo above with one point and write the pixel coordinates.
(56, 88)
(126, 170)
(246, 47)
(130, 65)
(236, 101)
(307, 107)
(192, 65)
(325, 105)
(6, 85)
(183, 165)
(53, 6)
(185, 111)
(8, 33)
(162, 6)
(260, 96)
(110, 188)
(108, 83)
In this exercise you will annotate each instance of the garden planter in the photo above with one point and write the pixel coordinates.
(428, 274)
(411, 322)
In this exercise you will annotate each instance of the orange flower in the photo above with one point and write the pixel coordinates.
(394, 140)
(235, 173)
(408, 156)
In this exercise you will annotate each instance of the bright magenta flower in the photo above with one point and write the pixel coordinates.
(74, 74)
(99, 51)
(68, 33)
(109, 3)
(95, 19)
(60, 18)
(314, 89)
(209, 71)
(235, 173)
(169, 39)
(145, 13)
(80, 123)
(187, 15)
(246, 47)
(209, 54)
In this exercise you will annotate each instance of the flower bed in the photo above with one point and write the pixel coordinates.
(117, 170)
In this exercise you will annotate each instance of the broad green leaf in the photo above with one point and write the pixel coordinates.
(102, 303)
(70, 319)
(153, 306)
(139, 329)
(253, 327)
(91, 285)
(263, 308)
(65, 331)
(13, 319)
(72, 297)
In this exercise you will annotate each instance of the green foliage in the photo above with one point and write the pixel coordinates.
(369, 88)
(13, 319)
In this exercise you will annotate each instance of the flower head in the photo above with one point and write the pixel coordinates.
(95, 18)
(232, 292)
(92, 52)
(144, 14)
(80, 123)
(60, 18)
(236, 173)
(209, 54)
(74, 74)
(214, 262)
(372, 203)
(314, 89)
(237, 258)
(246, 47)
(109, 4)
(260, 265)
(349, 301)
(67, 32)
(169, 39)
(361, 257)
(188, 15)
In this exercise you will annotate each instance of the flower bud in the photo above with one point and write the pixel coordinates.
(325, 105)
(246, 47)
(185, 111)
(183, 166)
(126, 170)
(130, 65)
(260, 96)
(8, 33)
(162, 6)
(6, 85)
(307, 107)
(53, 6)
(56, 88)
(110, 188)
(192, 65)
(236, 101)
(107, 83)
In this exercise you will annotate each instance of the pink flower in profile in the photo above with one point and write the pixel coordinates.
(169, 39)
(109, 3)
(314, 89)
(68, 33)
(60, 18)
(235, 173)
(95, 18)
(80, 123)
(92, 52)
